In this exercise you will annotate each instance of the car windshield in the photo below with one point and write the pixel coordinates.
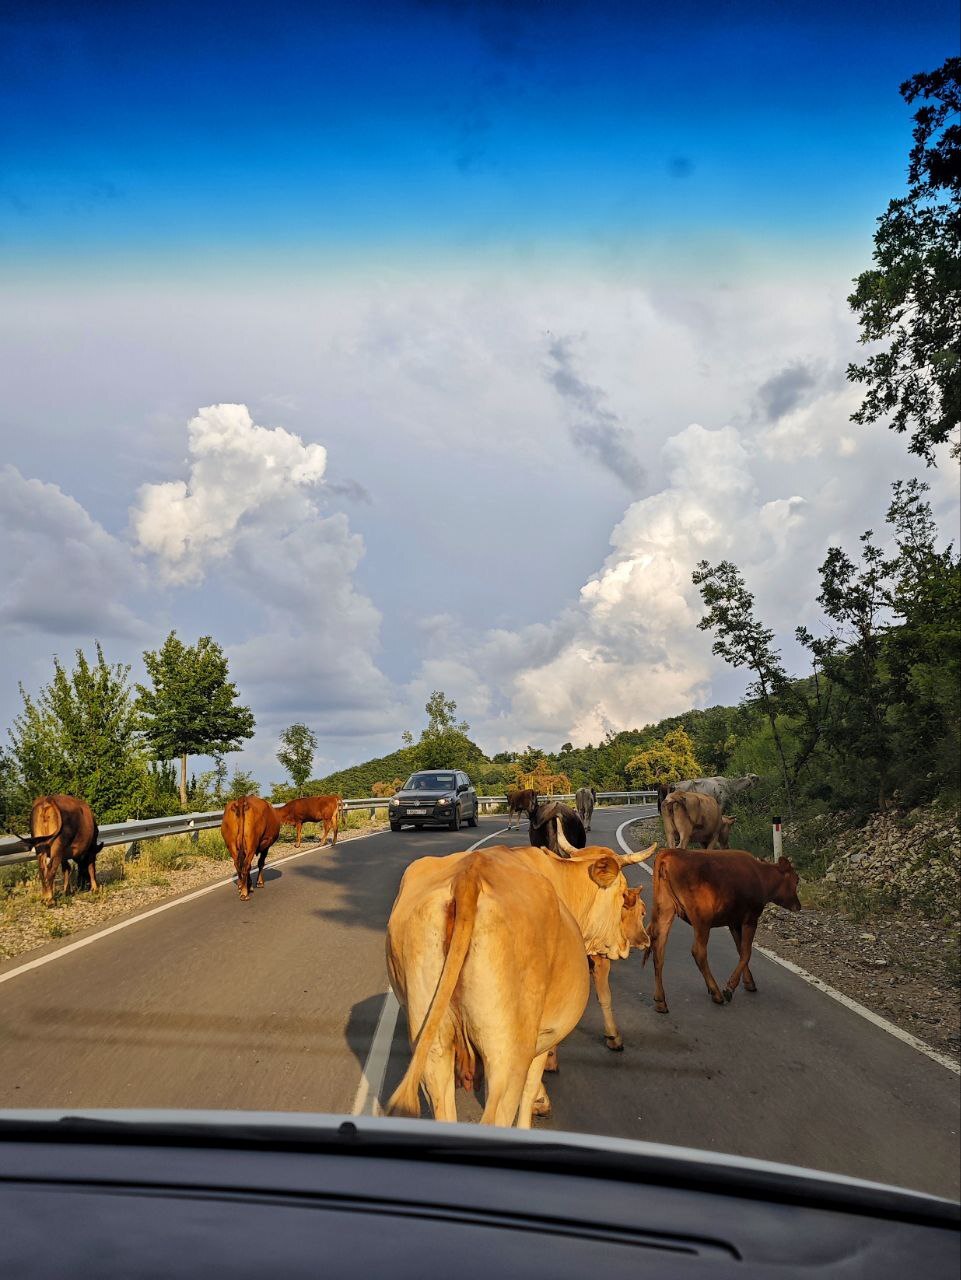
(566, 394)
(430, 782)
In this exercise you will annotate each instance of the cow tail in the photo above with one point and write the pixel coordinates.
(46, 804)
(405, 1100)
(241, 833)
(337, 809)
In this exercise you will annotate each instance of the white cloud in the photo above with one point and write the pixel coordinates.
(236, 468)
(63, 574)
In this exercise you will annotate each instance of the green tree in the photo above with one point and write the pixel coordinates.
(910, 297)
(743, 641)
(668, 760)
(444, 744)
(192, 707)
(242, 784)
(296, 754)
(79, 736)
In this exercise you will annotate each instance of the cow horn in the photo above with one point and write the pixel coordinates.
(639, 857)
(562, 842)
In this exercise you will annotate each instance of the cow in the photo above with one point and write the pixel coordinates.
(249, 827)
(662, 793)
(724, 832)
(690, 817)
(325, 809)
(556, 826)
(584, 800)
(486, 951)
(519, 802)
(709, 890)
(720, 789)
(63, 827)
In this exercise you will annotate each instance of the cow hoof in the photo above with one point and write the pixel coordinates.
(542, 1106)
(614, 1043)
(752, 988)
(728, 996)
(660, 1006)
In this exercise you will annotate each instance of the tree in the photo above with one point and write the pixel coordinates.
(444, 744)
(296, 753)
(79, 735)
(668, 760)
(743, 641)
(191, 708)
(909, 298)
(242, 784)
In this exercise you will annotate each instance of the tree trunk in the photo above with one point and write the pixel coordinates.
(183, 782)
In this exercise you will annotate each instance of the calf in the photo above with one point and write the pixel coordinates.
(249, 827)
(325, 809)
(519, 802)
(709, 890)
(584, 800)
(556, 826)
(63, 827)
(689, 817)
(486, 951)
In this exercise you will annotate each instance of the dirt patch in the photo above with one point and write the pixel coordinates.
(165, 870)
(897, 963)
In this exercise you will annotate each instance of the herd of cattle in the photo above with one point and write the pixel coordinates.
(486, 949)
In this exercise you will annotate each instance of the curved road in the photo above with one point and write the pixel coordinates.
(277, 1004)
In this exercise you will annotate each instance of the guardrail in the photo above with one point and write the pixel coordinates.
(13, 850)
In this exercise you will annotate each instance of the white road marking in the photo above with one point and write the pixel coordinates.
(905, 1036)
(154, 911)
(367, 1097)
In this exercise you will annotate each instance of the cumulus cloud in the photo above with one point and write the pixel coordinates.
(629, 652)
(63, 574)
(595, 429)
(236, 468)
(249, 518)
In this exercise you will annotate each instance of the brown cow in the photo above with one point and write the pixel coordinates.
(325, 809)
(462, 930)
(249, 827)
(519, 802)
(689, 817)
(724, 832)
(61, 828)
(709, 890)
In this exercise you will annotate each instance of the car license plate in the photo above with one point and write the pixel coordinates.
(416, 813)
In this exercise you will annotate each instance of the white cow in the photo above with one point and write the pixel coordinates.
(719, 789)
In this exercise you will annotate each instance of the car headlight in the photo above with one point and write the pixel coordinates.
(394, 802)
(444, 800)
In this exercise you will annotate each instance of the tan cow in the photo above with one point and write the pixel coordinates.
(63, 827)
(690, 817)
(325, 809)
(249, 827)
(486, 951)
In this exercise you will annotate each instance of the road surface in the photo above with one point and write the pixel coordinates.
(276, 1004)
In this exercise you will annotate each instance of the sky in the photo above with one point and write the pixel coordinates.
(406, 346)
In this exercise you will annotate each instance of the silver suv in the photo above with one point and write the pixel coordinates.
(435, 796)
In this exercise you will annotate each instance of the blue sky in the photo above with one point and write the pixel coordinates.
(147, 132)
(558, 288)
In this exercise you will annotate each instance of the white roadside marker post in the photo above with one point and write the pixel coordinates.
(778, 845)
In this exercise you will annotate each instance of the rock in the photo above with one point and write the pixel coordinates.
(868, 937)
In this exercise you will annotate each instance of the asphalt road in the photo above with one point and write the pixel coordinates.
(274, 1004)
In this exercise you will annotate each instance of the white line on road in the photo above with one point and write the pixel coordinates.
(154, 911)
(905, 1036)
(367, 1097)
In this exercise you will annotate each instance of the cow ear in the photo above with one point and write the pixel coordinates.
(630, 897)
(785, 863)
(604, 871)
(730, 821)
